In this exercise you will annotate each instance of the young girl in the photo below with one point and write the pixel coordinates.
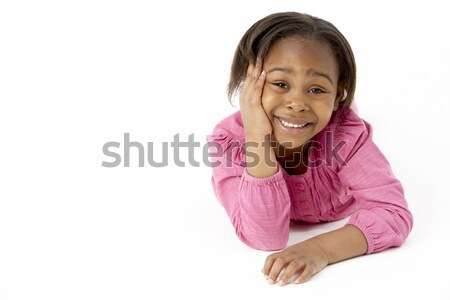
(297, 151)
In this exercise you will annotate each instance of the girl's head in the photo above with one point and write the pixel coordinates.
(310, 70)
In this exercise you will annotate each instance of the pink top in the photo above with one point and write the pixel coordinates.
(261, 209)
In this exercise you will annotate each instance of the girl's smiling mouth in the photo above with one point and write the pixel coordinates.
(293, 125)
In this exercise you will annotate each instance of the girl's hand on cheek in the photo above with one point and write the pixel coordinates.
(299, 262)
(256, 122)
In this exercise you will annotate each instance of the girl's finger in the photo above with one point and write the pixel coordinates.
(252, 91)
(294, 266)
(257, 70)
(269, 262)
(305, 274)
(249, 75)
(250, 69)
(260, 83)
(277, 266)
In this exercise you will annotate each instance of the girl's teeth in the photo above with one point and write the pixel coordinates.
(287, 124)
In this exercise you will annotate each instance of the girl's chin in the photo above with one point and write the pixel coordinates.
(290, 146)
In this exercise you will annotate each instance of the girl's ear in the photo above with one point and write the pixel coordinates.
(340, 97)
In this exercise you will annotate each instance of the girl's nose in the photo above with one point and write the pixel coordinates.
(297, 104)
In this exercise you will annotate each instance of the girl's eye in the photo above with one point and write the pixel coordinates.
(316, 90)
(281, 85)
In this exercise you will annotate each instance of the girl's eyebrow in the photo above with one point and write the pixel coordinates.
(318, 73)
(281, 69)
(310, 72)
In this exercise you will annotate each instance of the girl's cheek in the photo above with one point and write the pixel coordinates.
(267, 95)
(267, 103)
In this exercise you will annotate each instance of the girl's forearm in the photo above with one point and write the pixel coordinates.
(260, 157)
(343, 243)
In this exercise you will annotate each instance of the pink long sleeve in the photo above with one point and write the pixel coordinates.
(259, 208)
(384, 217)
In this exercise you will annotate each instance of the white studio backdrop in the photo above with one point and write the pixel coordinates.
(75, 75)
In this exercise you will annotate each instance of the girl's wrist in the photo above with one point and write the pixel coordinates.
(257, 136)
(261, 161)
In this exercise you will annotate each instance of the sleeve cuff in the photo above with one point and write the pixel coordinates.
(366, 232)
(277, 177)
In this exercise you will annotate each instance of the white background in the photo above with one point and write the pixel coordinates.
(77, 74)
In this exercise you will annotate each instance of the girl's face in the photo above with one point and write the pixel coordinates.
(301, 89)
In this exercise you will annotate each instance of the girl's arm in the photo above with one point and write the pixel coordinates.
(253, 190)
(261, 160)
(342, 243)
(384, 217)
(311, 256)
(382, 221)
(259, 208)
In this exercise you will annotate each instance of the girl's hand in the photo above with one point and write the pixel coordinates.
(299, 262)
(256, 122)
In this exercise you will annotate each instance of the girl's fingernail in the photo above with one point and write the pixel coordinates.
(280, 283)
(271, 281)
(266, 277)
